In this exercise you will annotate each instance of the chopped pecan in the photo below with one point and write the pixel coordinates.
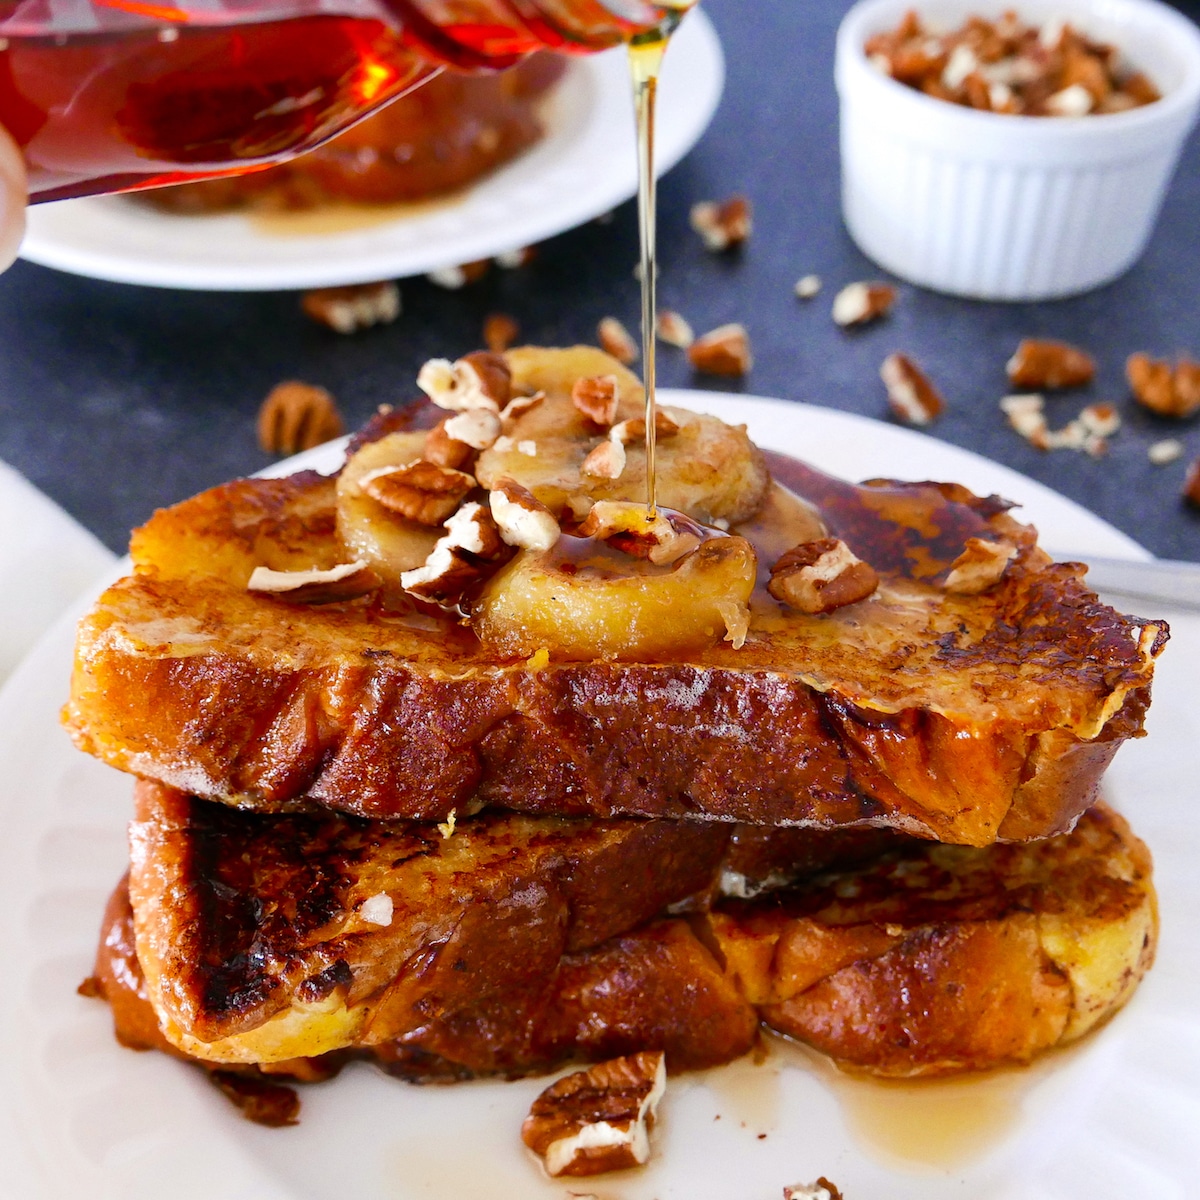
(1026, 414)
(821, 1190)
(1163, 389)
(725, 225)
(671, 328)
(1042, 363)
(453, 278)
(510, 260)
(821, 575)
(663, 538)
(606, 461)
(460, 560)
(499, 332)
(634, 430)
(419, 491)
(478, 428)
(861, 303)
(979, 567)
(616, 340)
(445, 450)
(599, 1119)
(478, 380)
(807, 286)
(1166, 451)
(297, 416)
(522, 519)
(346, 581)
(1100, 420)
(519, 405)
(722, 351)
(911, 397)
(1191, 484)
(597, 398)
(349, 309)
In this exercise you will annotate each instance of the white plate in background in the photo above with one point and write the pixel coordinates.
(1112, 1118)
(584, 166)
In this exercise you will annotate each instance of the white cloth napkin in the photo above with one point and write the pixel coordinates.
(47, 560)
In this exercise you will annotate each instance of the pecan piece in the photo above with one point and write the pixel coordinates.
(477, 428)
(358, 306)
(979, 567)
(673, 329)
(297, 416)
(725, 225)
(453, 278)
(444, 450)
(478, 380)
(346, 581)
(663, 538)
(597, 398)
(1163, 389)
(599, 1119)
(1164, 452)
(616, 340)
(911, 397)
(1042, 363)
(722, 351)
(499, 332)
(420, 491)
(823, 1189)
(606, 461)
(807, 286)
(522, 519)
(634, 430)
(861, 303)
(821, 575)
(1191, 484)
(460, 560)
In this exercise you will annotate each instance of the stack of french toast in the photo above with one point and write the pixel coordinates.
(466, 760)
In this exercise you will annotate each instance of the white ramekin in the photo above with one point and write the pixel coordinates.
(1008, 207)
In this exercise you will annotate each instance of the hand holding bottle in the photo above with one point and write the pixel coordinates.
(12, 199)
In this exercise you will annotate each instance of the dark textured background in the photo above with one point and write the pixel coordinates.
(118, 399)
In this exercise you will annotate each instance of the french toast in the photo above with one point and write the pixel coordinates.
(968, 717)
(924, 959)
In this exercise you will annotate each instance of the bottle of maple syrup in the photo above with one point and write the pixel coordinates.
(113, 95)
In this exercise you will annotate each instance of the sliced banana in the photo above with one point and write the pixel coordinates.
(589, 612)
(386, 541)
(708, 469)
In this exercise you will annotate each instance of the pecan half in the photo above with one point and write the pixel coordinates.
(358, 306)
(420, 491)
(1163, 389)
(861, 303)
(725, 225)
(722, 351)
(522, 519)
(597, 398)
(1042, 363)
(821, 575)
(911, 397)
(346, 581)
(979, 567)
(296, 416)
(599, 1119)
(616, 340)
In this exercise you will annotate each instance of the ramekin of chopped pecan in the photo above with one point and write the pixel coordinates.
(995, 155)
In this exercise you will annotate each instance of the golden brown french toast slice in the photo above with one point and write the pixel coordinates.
(960, 715)
(925, 959)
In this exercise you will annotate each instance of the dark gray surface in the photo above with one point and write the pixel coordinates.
(117, 399)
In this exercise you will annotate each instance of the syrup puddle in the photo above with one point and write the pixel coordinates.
(929, 1123)
(344, 217)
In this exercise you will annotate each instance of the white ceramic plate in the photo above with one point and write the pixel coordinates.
(1111, 1119)
(585, 166)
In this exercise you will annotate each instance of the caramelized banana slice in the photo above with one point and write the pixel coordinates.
(707, 469)
(385, 540)
(584, 601)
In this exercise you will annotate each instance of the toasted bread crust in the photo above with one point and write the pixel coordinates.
(925, 960)
(962, 718)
